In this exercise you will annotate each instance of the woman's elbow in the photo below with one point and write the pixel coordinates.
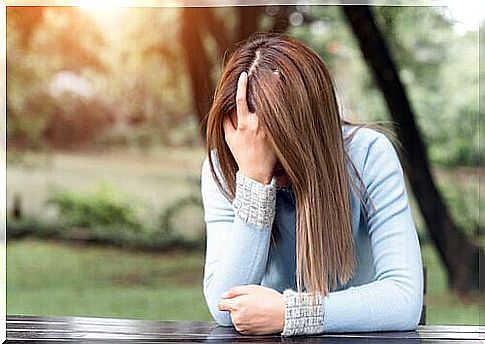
(407, 304)
(416, 306)
(405, 318)
(414, 315)
(222, 318)
(411, 313)
(409, 320)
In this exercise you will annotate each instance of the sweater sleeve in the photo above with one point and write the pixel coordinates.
(393, 301)
(238, 236)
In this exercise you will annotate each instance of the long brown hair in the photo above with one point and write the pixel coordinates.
(300, 113)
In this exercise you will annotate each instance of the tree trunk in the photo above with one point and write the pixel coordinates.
(248, 23)
(198, 64)
(460, 256)
(196, 24)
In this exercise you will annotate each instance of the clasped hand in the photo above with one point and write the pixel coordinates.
(254, 309)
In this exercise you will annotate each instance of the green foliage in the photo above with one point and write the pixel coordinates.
(106, 216)
(439, 68)
(328, 35)
(103, 208)
(437, 65)
(104, 235)
(465, 207)
(27, 226)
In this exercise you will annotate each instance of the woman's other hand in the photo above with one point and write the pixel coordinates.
(254, 309)
(247, 141)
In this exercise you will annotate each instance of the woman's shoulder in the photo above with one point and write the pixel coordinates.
(363, 136)
(367, 145)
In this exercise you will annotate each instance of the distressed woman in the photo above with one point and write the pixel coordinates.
(309, 228)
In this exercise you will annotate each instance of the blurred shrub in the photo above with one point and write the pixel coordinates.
(25, 226)
(103, 208)
(97, 235)
(107, 217)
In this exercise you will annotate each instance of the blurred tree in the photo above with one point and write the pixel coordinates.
(192, 31)
(146, 84)
(460, 256)
(50, 35)
(434, 61)
(196, 25)
(200, 24)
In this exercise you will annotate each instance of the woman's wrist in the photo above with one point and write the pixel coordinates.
(255, 202)
(301, 315)
(260, 177)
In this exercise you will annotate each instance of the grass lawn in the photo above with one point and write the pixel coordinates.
(444, 307)
(51, 278)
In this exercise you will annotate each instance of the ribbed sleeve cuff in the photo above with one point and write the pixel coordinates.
(255, 202)
(301, 316)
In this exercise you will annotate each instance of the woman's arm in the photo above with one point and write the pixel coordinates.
(238, 233)
(394, 300)
(238, 236)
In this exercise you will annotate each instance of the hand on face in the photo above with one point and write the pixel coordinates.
(248, 142)
(254, 309)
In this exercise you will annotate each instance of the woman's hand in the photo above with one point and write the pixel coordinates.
(247, 141)
(254, 309)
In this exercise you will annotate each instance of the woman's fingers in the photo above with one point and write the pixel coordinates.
(241, 103)
(248, 144)
(226, 305)
(240, 290)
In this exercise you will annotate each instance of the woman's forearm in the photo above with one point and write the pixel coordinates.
(237, 251)
(385, 305)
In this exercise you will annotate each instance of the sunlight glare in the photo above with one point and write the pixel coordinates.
(105, 3)
(107, 9)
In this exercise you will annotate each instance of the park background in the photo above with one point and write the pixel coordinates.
(104, 147)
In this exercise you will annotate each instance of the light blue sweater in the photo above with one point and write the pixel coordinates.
(386, 292)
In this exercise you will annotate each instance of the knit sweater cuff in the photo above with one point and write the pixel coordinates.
(255, 202)
(301, 316)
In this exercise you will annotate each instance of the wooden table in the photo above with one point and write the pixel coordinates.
(106, 330)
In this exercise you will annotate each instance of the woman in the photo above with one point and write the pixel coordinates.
(309, 228)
